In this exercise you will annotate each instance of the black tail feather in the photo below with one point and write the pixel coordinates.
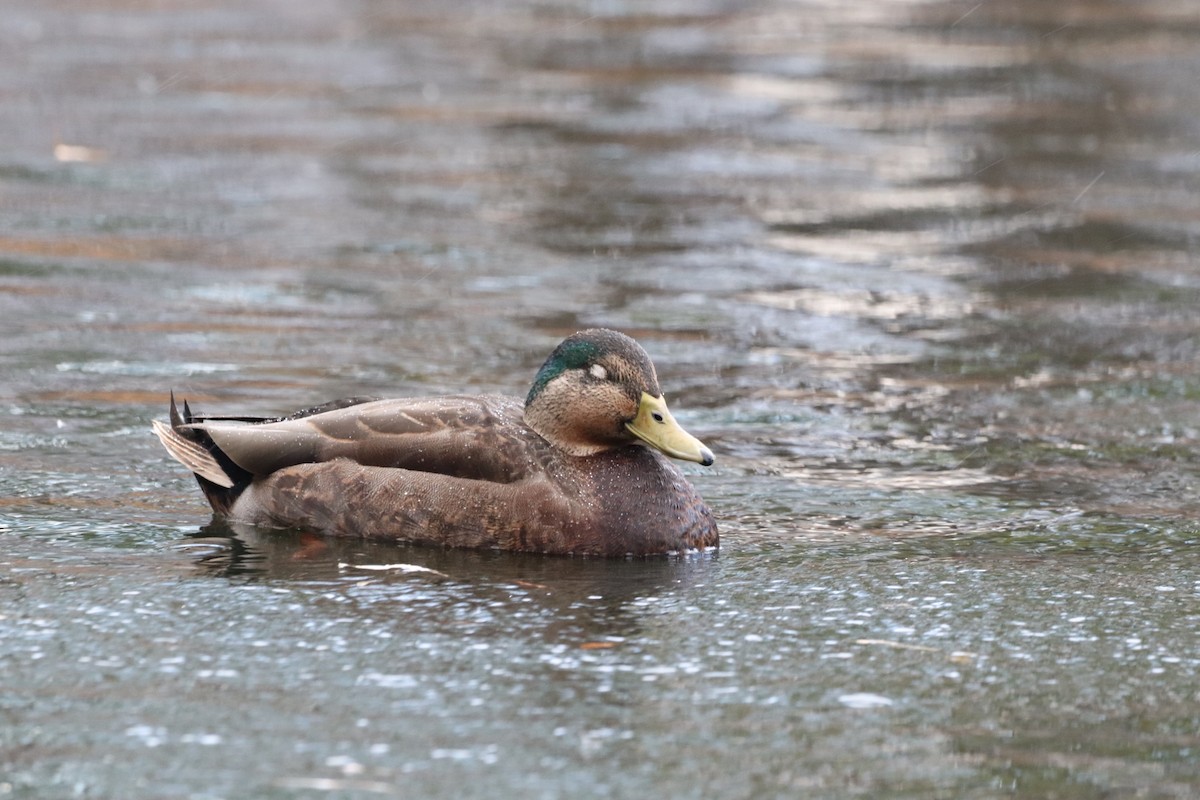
(219, 496)
(220, 478)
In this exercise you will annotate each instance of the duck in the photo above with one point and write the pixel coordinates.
(584, 465)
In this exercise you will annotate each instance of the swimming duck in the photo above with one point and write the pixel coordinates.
(579, 468)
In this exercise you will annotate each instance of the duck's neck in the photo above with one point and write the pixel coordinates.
(549, 426)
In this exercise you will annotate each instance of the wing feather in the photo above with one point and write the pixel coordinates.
(470, 437)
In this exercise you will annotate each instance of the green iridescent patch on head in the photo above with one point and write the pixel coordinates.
(571, 354)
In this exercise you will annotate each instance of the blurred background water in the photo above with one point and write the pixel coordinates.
(921, 274)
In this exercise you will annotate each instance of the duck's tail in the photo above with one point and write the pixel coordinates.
(221, 480)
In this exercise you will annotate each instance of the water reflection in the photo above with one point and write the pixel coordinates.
(573, 600)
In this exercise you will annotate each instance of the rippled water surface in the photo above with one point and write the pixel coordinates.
(922, 274)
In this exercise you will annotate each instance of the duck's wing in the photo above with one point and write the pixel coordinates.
(468, 437)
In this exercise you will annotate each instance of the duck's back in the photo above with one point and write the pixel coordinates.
(483, 438)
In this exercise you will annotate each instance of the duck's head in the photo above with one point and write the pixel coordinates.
(597, 391)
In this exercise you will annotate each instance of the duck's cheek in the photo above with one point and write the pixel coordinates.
(627, 411)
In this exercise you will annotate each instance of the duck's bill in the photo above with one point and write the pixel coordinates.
(655, 426)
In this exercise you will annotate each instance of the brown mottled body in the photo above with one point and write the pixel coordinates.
(567, 472)
(577, 504)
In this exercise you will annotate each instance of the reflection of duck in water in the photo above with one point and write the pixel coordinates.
(566, 473)
(586, 602)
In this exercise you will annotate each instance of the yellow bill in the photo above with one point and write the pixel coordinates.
(655, 426)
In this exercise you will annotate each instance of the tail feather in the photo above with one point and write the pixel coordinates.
(191, 454)
(221, 480)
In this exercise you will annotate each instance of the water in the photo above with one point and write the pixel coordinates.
(920, 273)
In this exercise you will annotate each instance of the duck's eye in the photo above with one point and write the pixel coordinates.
(598, 372)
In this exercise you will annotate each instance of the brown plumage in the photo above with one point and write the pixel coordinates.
(566, 472)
